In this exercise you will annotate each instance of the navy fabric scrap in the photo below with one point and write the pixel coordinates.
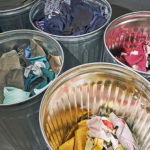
(73, 20)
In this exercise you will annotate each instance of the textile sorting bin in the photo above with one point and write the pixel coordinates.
(136, 26)
(19, 126)
(77, 49)
(99, 88)
(17, 18)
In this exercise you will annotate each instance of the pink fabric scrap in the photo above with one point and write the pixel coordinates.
(137, 57)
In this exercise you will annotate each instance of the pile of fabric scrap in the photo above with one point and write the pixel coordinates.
(133, 49)
(26, 72)
(73, 18)
(100, 133)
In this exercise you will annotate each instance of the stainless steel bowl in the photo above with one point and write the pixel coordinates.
(127, 27)
(19, 127)
(81, 49)
(99, 88)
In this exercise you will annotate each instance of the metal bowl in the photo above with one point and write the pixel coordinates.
(132, 27)
(79, 49)
(99, 88)
(19, 121)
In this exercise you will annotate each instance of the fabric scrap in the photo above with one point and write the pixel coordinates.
(55, 63)
(11, 74)
(21, 53)
(36, 68)
(11, 53)
(42, 59)
(36, 49)
(14, 95)
(123, 133)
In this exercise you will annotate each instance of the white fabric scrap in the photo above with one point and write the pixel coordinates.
(123, 133)
(36, 68)
(114, 142)
(97, 129)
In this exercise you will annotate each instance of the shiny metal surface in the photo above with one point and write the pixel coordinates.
(77, 49)
(97, 88)
(19, 126)
(133, 23)
(16, 18)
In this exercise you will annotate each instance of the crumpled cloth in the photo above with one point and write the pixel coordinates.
(33, 50)
(123, 133)
(11, 53)
(72, 19)
(14, 95)
(10, 72)
(48, 76)
(97, 129)
(42, 59)
(55, 63)
(36, 68)
(130, 48)
(136, 56)
(77, 142)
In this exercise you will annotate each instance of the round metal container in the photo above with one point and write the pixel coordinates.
(77, 49)
(137, 23)
(97, 88)
(19, 126)
(17, 18)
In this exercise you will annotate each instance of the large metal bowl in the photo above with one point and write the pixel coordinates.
(19, 121)
(129, 27)
(99, 88)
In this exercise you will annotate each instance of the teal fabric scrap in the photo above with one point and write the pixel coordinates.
(41, 59)
(28, 81)
(14, 95)
(49, 76)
